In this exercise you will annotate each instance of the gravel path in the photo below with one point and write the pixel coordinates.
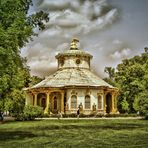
(103, 118)
(91, 118)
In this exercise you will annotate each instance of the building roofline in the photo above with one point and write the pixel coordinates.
(105, 88)
(83, 54)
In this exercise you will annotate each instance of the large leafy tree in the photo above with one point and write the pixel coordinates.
(131, 77)
(16, 29)
(111, 75)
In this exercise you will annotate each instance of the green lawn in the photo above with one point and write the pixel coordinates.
(75, 133)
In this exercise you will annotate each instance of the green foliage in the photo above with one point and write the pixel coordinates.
(110, 71)
(1, 105)
(34, 80)
(31, 112)
(125, 105)
(16, 29)
(111, 82)
(142, 103)
(15, 104)
(131, 77)
(136, 104)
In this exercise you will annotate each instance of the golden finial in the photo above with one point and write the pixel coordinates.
(74, 44)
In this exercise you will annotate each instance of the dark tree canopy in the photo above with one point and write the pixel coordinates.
(16, 29)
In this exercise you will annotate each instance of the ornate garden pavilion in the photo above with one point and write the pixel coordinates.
(73, 85)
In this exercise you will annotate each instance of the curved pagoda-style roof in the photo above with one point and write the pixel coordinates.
(73, 75)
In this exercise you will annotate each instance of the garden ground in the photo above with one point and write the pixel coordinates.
(117, 133)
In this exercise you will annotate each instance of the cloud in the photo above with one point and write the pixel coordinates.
(101, 22)
(86, 18)
(124, 53)
(62, 47)
(42, 67)
(68, 19)
(117, 42)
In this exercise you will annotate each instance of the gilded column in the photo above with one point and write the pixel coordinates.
(27, 101)
(47, 102)
(104, 105)
(35, 99)
(113, 99)
(102, 102)
(115, 102)
(62, 101)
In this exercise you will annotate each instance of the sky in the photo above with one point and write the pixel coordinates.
(110, 30)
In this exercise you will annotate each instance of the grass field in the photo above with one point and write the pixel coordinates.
(75, 133)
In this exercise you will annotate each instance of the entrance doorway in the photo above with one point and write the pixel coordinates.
(108, 103)
(55, 103)
(41, 100)
(44, 103)
(55, 100)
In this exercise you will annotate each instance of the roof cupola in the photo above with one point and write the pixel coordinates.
(74, 44)
(74, 57)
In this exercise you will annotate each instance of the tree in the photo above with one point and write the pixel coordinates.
(131, 77)
(16, 29)
(34, 80)
(143, 104)
(111, 76)
(15, 104)
(125, 105)
(110, 71)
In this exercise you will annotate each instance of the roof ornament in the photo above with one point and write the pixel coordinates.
(74, 44)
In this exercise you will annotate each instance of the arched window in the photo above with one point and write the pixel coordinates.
(74, 101)
(99, 102)
(87, 102)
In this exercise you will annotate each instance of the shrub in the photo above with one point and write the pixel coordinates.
(15, 103)
(46, 115)
(31, 112)
(143, 104)
(71, 115)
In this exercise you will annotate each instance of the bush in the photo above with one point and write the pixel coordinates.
(98, 115)
(143, 105)
(15, 103)
(71, 115)
(31, 112)
(46, 115)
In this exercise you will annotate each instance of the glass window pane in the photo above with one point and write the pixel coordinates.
(74, 101)
(87, 102)
(99, 102)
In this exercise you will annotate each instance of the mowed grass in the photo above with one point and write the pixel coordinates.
(75, 133)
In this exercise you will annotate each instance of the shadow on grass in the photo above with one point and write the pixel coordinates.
(117, 126)
(13, 135)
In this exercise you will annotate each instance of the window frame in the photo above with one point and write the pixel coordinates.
(73, 106)
(88, 102)
(99, 102)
